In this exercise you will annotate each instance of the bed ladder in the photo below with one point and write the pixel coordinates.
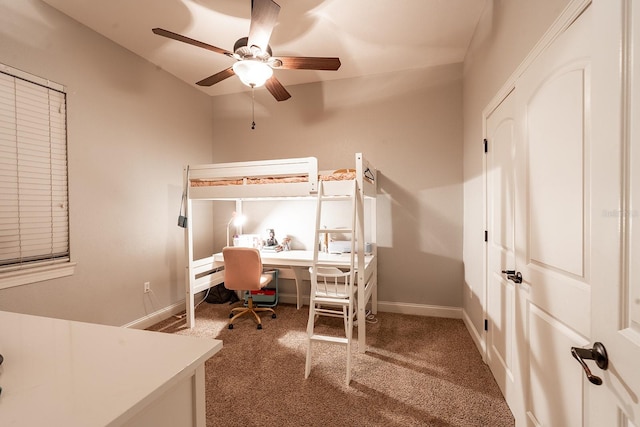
(333, 291)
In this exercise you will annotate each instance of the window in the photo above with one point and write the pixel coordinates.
(34, 214)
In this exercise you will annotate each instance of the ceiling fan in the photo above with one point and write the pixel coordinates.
(254, 64)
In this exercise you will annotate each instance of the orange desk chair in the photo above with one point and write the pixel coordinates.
(243, 272)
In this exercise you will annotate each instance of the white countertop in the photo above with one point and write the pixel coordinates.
(63, 373)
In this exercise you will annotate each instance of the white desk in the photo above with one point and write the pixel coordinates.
(300, 261)
(72, 374)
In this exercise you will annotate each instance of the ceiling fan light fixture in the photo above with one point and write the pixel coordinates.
(252, 72)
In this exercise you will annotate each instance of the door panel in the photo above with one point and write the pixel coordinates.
(555, 122)
(556, 382)
(552, 223)
(501, 293)
(616, 212)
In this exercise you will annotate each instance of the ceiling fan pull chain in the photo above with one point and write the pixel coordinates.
(253, 108)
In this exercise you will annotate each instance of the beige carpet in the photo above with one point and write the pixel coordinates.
(419, 371)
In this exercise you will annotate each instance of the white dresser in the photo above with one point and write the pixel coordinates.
(59, 373)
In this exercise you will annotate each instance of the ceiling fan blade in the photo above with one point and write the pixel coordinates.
(264, 15)
(277, 90)
(307, 63)
(184, 39)
(216, 78)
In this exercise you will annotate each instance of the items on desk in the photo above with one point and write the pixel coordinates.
(286, 244)
(269, 242)
(237, 219)
(340, 243)
(271, 239)
(344, 246)
(324, 242)
(256, 241)
(248, 241)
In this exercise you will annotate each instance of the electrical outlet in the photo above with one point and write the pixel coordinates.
(147, 287)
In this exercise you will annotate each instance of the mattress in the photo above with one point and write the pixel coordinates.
(337, 175)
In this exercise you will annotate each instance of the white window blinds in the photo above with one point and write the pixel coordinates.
(34, 220)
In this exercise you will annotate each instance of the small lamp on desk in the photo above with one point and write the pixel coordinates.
(237, 219)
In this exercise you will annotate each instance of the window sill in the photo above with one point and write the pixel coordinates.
(27, 276)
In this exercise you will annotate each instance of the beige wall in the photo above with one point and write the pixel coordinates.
(409, 125)
(131, 128)
(507, 31)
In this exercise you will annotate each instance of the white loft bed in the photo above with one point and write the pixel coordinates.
(273, 179)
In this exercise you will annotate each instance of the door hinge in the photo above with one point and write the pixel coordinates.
(486, 325)
(486, 236)
(486, 145)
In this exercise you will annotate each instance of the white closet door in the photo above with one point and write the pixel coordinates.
(502, 334)
(616, 213)
(553, 208)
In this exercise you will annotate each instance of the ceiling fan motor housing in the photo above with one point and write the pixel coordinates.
(243, 51)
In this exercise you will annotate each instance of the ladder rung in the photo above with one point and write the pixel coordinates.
(335, 230)
(327, 338)
(334, 198)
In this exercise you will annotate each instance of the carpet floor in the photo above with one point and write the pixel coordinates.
(417, 371)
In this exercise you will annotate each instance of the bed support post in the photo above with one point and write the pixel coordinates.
(189, 282)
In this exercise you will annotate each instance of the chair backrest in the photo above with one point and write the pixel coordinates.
(242, 269)
(332, 282)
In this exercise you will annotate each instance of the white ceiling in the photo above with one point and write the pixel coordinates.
(369, 36)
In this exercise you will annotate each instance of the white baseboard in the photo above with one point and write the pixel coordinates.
(292, 299)
(395, 307)
(383, 306)
(476, 336)
(420, 309)
(157, 316)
